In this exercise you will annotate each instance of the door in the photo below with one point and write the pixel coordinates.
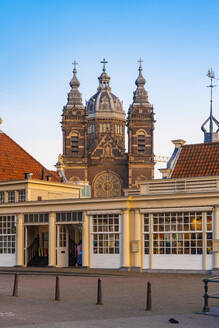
(62, 246)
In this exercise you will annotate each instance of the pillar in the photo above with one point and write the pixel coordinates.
(16, 196)
(85, 242)
(216, 238)
(125, 245)
(204, 241)
(5, 197)
(137, 238)
(151, 246)
(52, 239)
(20, 240)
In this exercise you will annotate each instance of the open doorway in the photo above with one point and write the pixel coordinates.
(68, 238)
(37, 245)
(75, 239)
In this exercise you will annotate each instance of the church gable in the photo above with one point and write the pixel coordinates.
(107, 148)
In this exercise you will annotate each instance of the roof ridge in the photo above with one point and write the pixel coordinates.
(201, 143)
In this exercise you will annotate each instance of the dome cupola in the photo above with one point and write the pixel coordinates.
(104, 103)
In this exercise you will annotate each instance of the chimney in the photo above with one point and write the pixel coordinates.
(28, 175)
(178, 143)
(165, 173)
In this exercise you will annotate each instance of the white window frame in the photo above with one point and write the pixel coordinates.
(178, 244)
(7, 234)
(11, 196)
(103, 235)
(22, 195)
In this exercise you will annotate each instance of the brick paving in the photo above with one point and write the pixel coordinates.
(173, 295)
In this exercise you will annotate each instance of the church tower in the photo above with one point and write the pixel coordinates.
(140, 125)
(74, 129)
(94, 138)
(107, 161)
(105, 114)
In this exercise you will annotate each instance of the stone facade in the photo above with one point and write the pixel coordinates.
(94, 138)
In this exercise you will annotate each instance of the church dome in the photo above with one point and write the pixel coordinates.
(104, 102)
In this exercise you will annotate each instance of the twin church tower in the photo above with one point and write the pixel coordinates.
(94, 138)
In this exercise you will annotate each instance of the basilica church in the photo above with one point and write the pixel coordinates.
(107, 197)
(94, 138)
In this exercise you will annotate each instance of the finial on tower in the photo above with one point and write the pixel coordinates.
(74, 64)
(140, 80)
(140, 61)
(104, 62)
(211, 136)
(104, 79)
(74, 82)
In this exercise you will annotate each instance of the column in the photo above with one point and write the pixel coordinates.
(85, 242)
(6, 197)
(20, 240)
(151, 240)
(216, 238)
(204, 241)
(52, 239)
(16, 196)
(125, 245)
(137, 238)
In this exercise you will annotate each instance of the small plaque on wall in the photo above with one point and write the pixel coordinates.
(216, 245)
(134, 246)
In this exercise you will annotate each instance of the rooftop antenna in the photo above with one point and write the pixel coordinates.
(211, 136)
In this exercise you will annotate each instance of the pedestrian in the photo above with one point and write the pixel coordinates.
(79, 253)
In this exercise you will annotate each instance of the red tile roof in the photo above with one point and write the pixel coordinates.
(197, 160)
(15, 161)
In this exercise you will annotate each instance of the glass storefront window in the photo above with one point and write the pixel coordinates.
(106, 234)
(178, 233)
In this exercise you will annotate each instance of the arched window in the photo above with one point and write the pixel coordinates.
(74, 143)
(141, 143)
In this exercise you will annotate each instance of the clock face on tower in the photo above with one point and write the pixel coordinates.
(107, 184)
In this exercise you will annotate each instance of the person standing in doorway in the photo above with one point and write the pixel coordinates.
(79, 253)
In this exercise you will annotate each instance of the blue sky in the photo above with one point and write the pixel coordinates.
(178, 41)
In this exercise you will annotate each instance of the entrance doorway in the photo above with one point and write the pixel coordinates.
(36, 245)
(68, 237)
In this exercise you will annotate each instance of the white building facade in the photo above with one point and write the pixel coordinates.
(157, 227)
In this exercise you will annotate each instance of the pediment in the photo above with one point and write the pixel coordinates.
(107, 148)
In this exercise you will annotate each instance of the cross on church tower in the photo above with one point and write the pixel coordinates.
(140, 61)
(75, 64)
(104, 62)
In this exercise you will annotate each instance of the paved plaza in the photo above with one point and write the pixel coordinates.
(173, 295)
